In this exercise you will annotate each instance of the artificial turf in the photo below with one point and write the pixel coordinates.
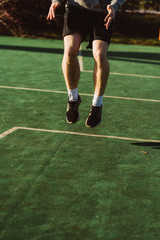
(69, 187)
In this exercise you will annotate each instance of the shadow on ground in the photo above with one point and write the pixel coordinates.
(140, 57)
(148, 144)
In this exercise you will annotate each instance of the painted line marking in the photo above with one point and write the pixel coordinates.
(8, 132)
(76, 133)
(134, 75)
(126, 74)
(83, 94)
(80, 59)
(33, 89)
(124, 98)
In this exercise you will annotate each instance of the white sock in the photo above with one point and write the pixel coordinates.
(73, 94)
(97, 100)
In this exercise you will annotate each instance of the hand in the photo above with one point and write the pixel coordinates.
(52, 10)
(111, 15)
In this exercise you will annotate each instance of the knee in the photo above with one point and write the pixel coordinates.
(70, 52)
(99, 56)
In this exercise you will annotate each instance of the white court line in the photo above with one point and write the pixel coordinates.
(76, 133)
(126, 74)
(124, 98)
(8, 132)
(83, 94)
(121, 74)
(80, 59)
(134, 75)
(33, 89)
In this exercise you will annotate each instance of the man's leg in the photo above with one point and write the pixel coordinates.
(101, 66)
(71, 71)
(70, 64)
(100, 77)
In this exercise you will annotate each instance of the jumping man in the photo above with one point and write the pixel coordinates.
(83, 17)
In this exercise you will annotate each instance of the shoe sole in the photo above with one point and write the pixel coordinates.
(91, 126)
(77, 118)
(72, 122)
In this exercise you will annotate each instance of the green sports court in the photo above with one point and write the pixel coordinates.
(61, 181)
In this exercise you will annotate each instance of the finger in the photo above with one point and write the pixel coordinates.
(49, 13)
(108, 23)
(48, 16)
(107, 27)
(107, 17)
(53, 12)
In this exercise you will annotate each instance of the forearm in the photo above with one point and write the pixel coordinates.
(117, 4)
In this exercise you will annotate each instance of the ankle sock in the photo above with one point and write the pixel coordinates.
(97, 100)
(73, 94)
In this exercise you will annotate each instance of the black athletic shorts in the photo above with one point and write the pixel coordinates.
(84, 21)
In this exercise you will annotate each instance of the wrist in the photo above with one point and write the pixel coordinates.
(111, 7)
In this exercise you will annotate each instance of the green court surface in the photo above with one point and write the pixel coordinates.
(67, 182)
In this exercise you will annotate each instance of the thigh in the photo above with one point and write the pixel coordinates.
(72, 43)
(75, 22)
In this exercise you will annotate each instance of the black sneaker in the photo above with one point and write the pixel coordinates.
(94, 117)
(72, 114)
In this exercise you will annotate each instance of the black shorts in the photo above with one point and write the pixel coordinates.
(84, 21)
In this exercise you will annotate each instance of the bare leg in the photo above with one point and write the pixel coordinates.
(70, 64)
(71, 71)
(100, 77)
(101, 66)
